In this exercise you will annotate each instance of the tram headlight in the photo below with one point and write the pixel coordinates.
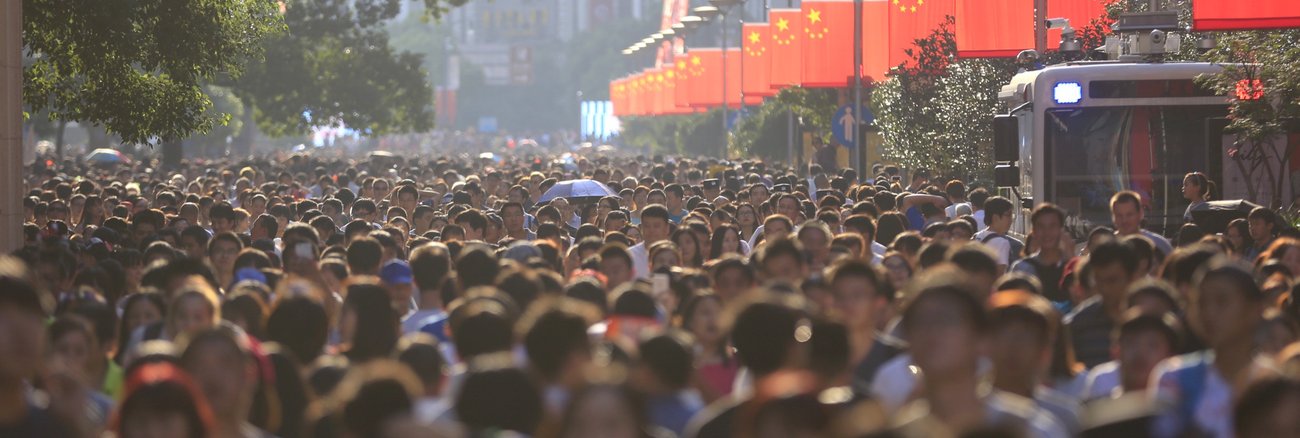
(1067, 93)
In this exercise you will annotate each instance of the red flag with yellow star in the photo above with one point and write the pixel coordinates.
(705, 69)
(827, 43)
(910, 20)
(617, 92)
(682, 84)
(1208, 15)
(787, 48)
(756, 78)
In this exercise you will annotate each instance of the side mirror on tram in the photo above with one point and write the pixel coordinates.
(1006, 175)
(1006, 138)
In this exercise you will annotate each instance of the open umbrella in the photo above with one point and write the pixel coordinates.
(106, 156)
(382, 154)
(580, 190)
(1213, 216)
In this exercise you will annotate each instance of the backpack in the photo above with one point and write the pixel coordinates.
(1016, 246)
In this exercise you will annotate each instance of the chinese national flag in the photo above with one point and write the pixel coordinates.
(616, 90)
(705, 69)
(756, 37)
(994, 28)
(682, 85)
(657, 90)
(910, 20)
(642, 105)
(1014, 20)
(827, 43)
(1208, 15)
(787, 48)
(734, 94)
(875, 40)
(1080, 12)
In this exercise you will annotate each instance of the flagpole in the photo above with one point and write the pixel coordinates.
(725, 135)
(857, 165)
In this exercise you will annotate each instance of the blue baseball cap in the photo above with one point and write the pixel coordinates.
(396, 272)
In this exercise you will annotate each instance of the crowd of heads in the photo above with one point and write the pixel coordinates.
(311, 296)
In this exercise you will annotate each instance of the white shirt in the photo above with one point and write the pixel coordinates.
(640, 260)
(951, 210)
(1001, 247)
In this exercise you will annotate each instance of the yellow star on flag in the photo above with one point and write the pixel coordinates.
(913, 8)
(754, 38)
(695, 60)
(814, 16)
(783, 24)
(681, 65)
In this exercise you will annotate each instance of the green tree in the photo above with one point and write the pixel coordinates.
(137, 67)
(1261, 78)
(335, 66)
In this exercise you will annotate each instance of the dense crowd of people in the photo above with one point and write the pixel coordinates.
(304, 296)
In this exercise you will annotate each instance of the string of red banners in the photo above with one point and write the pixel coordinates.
(812, 46)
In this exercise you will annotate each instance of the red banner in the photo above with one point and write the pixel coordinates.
(1080, 12)
(756, 80)
(1208, 15)
(704, 67)
(875, 40)
(787, 48)
(827, 43)
(910, 20)
(682, 88)
(994, 28)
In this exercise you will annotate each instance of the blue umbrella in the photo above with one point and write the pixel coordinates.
(577, 190)
(106, 156)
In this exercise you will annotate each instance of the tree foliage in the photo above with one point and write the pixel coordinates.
(335, 66)
(765, 131)
(137, 67)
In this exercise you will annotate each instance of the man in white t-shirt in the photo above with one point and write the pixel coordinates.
(654, 228)
(999, 213)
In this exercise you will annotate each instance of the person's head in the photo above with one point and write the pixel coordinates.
(496, 396)
(1126, 212)
(368, 323)
(946, 326)
(663, 256)
(191, 310)
(480, 326)
(1197, 187)
(998, 214)
(769, 334)
(1024, 324)
(1262, 221)
(300, 324)
(1267, 408)
(371, 395)
(605, 408)
(512, 215)
(858, 293)
(223, 249)
(398, 281)
(221, 363)
(616, 264)
(1048, 222)
(419, 351)
(725, 240)
(654, 223)
(1238, 235)
(1114, 266)
(194, 241)
(784, 260)
(1226, 305)
(364, 256)
(1142, 340)
(667, 363)
(555, 337)
(731, 276)
(162, 400)
(474, 223)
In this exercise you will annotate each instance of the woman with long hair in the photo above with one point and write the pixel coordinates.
(746, 219)
(725, 240)
(689, 245)
(715, 369)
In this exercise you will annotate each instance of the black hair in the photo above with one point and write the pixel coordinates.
(550, 335)
(300, 324)
(499, 398)
(377, 321)
(763, 335)
(1112, 252)
(670, 357)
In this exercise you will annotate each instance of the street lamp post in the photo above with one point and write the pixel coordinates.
(722, 6)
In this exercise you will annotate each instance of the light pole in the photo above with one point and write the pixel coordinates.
(723, 6)
(858, 141)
